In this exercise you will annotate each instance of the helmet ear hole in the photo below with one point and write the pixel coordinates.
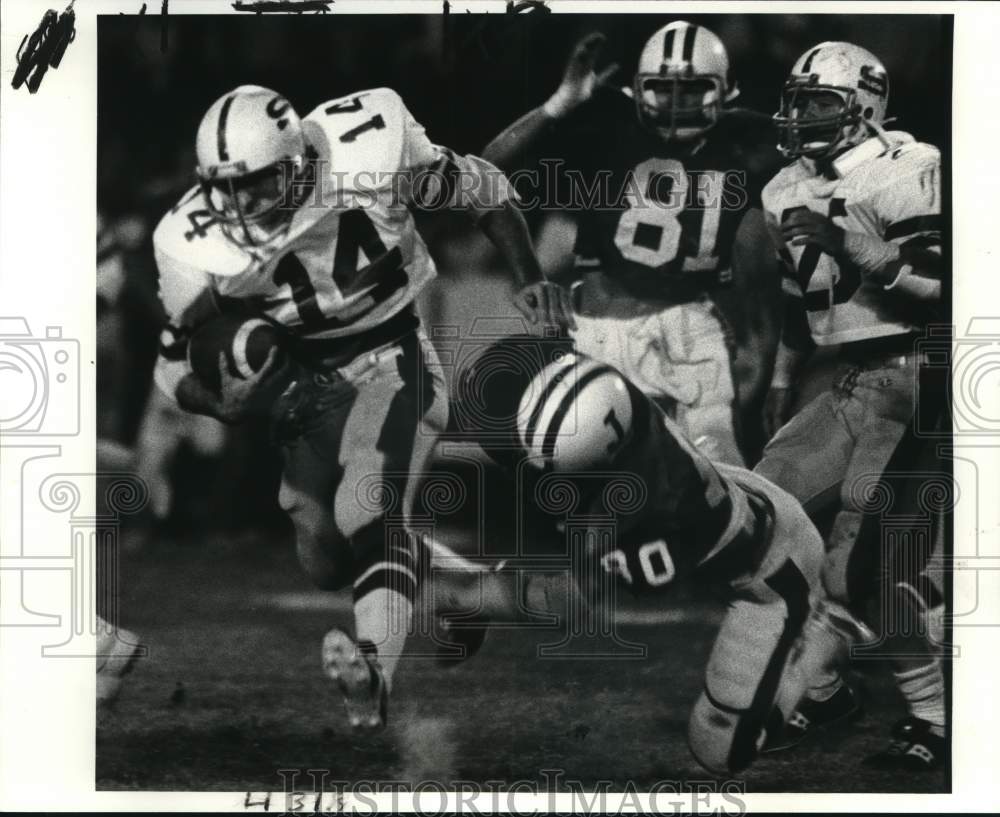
(869, 113)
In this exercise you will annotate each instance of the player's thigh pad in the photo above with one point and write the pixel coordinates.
(884, 405)
(809, 455)
(357, 470)
(686, 344)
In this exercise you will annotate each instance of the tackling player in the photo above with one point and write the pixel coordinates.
(857, 221)
(664, 182)
(307, 222)
(583, 437)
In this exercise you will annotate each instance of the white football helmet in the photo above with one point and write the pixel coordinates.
(850, 82)
(251, 150)
(682, 82)
(574, 415)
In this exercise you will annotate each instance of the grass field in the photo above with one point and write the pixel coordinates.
(232, 691)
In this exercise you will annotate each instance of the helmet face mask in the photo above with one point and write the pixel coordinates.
(816, 120)
(834, 99)
(255, 207)
(682, 82)
(679, 108)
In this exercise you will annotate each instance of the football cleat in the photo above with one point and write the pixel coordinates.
(914, 747)
(461, 638)
(843, 706)
(462, 632)
(117, 651)
(359, 677)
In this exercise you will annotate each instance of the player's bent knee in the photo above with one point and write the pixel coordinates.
(718, 740)
(323, 552)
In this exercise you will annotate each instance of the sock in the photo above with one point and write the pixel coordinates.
(382, 618)
(923, 689)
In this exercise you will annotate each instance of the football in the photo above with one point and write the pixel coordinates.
(246, 343)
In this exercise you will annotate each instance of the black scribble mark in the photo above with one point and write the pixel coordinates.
(271, 6)
(44, 48)
(491, 36)
(164, 10)
(529, 6)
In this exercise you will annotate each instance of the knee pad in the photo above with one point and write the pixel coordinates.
(711, 732)
(838, 581)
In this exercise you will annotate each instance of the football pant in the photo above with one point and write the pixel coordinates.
(355, 441)
(752, 666)
(680, 356)
(837, 447)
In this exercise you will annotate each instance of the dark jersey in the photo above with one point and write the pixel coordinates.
(664, 512)
(659, 217)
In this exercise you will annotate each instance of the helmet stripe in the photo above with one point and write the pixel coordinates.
(221, 133)
(549, 446)
(668, 45)
(689, 35)
(808, 63)
(543, 398)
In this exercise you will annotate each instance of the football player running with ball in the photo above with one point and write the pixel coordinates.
(664, 183)
(308, 224)
(857, 221)
(577, 428)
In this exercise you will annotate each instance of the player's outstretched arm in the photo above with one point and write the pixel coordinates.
(538, 300)
(510, 149)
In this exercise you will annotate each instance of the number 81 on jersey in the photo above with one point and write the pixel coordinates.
(663, 203)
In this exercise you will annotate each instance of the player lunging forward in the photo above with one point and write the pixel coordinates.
(651, 510)
(664, 183)
(857, 221)
(308, 222)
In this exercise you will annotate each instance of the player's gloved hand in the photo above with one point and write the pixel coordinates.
(580, 77)
(777, 407)
(546, 302)
(806, 227)
(242, 397)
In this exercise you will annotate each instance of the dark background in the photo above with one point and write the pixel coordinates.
(231, 691)
(464, 77)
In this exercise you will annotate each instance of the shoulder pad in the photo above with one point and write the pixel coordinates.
(872, 161)
(913, 155)
(364, 132)
(189, 235)
(788, 176)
